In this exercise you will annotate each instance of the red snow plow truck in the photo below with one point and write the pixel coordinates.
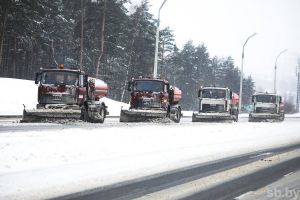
(67, 94)
(216, 104)
(150, 99)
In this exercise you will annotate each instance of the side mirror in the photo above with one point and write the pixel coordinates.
(129, 86)
(199, 93)
(85, 80)
(280, 100)
(230, 95)
(168, 87)
(252, 99)
(36, 78)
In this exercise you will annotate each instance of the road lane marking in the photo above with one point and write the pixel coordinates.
(244, 195)
(261, 154)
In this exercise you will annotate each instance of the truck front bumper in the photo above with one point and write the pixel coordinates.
(136, 115)
(258, 117)
(206, 117)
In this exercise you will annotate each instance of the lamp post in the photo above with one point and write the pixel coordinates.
(241, 81)
(275, 71)
(156, 44)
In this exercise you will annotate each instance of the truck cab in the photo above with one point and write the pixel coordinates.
(267, 106)
(152, 98)
(149, 94)
(215, 104)
(60, 88)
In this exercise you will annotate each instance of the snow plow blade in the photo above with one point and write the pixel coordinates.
(265, 117)
(40, 115)
(212, 117)
(134, 115)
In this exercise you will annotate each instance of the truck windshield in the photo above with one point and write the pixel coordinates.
(148, 86)
(266, 98)
(60, 78)
(213, 93)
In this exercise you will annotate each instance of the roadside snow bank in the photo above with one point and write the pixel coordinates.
(114, 107)
(16, 92)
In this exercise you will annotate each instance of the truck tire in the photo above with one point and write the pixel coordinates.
(84, 113)
(168, 113)
(250, 119)
(177, 115)
(236, 117)
(102, 114)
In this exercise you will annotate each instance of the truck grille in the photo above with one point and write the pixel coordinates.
(57, 99)
(265, 110)
(147, 103)
(212, 108)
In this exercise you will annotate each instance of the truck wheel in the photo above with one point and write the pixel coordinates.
(250, 119)
(102, 114)
(84, 113)
(236, 117)
(177, 115)
(168, 113)
(281, 117)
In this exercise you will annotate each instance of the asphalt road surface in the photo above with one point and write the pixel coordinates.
(232, 189)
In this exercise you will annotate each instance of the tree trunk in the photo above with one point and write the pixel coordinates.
(2, 35)
(102, 40)
(14, 59)
(129, 61)
(162, 58)
(53, 54)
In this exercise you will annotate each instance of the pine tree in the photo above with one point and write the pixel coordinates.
(166, 46)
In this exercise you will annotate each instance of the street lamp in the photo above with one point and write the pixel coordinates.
(241, 81)
(156, 44)
(275, 71)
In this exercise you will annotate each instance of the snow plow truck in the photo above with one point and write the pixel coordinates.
(267, 107)
(216, 104)
(152, 98)
(67, 94)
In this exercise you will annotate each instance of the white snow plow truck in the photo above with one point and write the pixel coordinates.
(267, 107)
(216, 104)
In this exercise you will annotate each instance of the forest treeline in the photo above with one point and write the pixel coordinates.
(117, 46)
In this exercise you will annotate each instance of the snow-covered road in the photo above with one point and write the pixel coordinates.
(44, 164)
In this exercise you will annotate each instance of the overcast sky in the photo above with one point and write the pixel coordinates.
(224, 26)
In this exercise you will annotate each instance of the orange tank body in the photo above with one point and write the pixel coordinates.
(177, 94)
(100, 88)
(235, 98)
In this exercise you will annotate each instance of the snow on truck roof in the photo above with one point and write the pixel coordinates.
(219, 88)
(263, 93)
(64, 69)
(150, 79)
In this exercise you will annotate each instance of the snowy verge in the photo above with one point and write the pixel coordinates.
(15, 93)
(19, 92)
